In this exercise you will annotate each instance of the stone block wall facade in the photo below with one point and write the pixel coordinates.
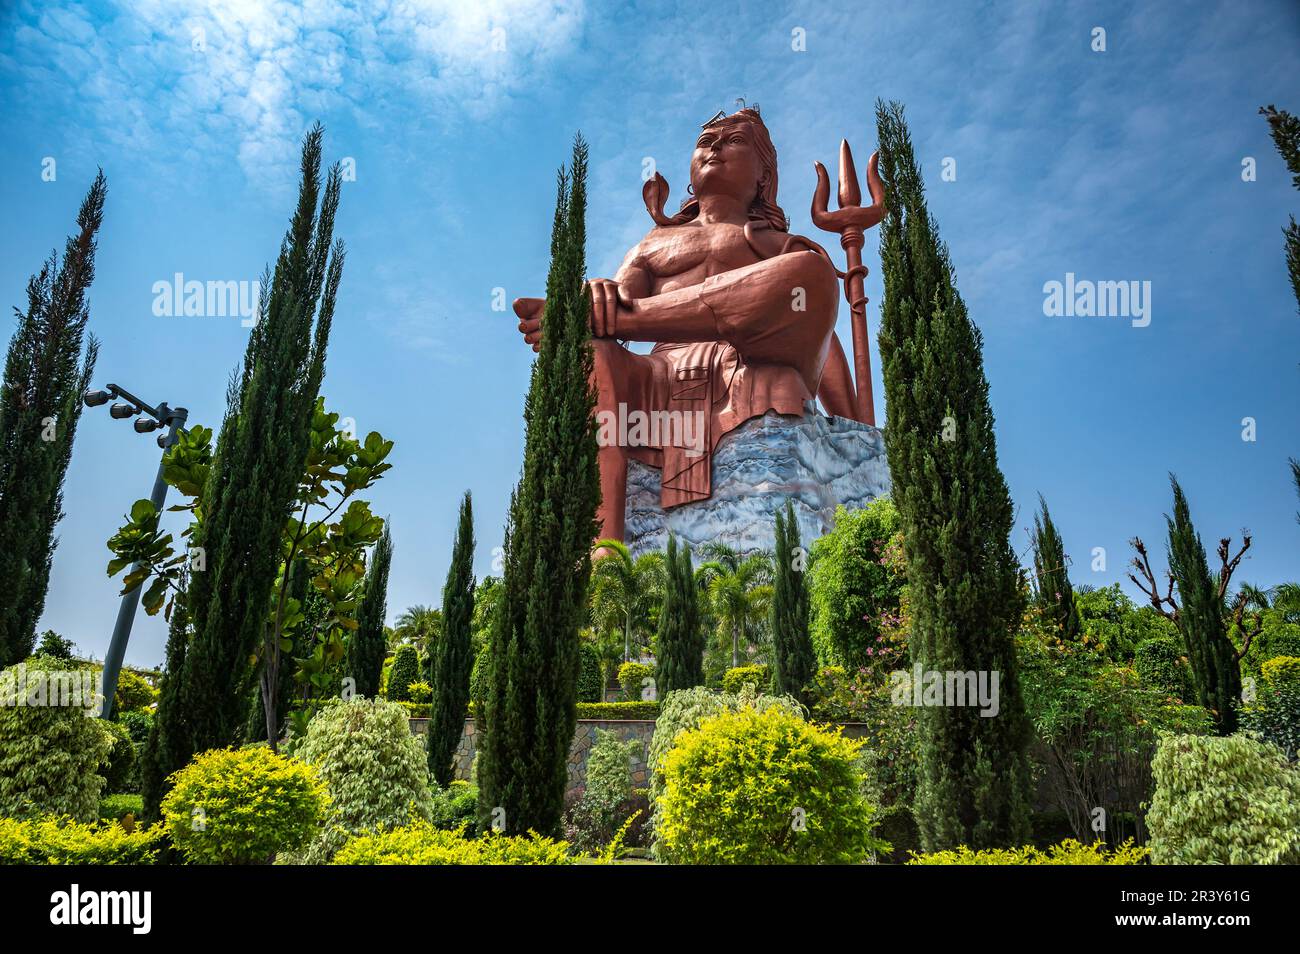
(584, 738)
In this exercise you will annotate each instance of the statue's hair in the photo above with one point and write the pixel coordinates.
(764, 207)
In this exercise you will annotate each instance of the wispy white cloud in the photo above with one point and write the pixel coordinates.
(187, 80)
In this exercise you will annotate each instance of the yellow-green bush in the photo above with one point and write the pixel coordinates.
(633, 676)
(51, 756)
(1281, 671)
(759, 676)
(752, 787)
(1229, 801)
(240, 806)
(422, 844)
(55, 840)
(1068, 852)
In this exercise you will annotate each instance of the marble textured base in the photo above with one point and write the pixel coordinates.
(819, 462)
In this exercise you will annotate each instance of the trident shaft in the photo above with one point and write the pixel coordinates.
(851, 221)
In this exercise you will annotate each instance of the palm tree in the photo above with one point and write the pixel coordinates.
(624, 588)
(419, 625)
(739, 592)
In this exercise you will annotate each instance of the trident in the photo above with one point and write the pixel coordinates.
(851, 221)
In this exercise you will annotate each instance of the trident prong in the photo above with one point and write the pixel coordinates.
(850, 221)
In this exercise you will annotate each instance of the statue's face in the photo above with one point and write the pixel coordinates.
(725, 162)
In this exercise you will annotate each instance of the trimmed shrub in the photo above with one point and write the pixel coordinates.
(619, 711)
(759, 676)
(419, 693)
(405, 671)
(422, 844)
(117, 807)
(1068, 852)
(455, 808)
(376, 770)
(50, 755)
(241, 806)
(62, 841)
(764, 788)
(633, 676)
(122, 773)
(1223, 800)
(590, 682)
(1161, 665)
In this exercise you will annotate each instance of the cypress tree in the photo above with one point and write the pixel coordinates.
(45, 374)
(531, 707)
(973, 784)
(793, 657)
(1052, 586)
(453, 657)
(259, 458)
(369, 643)
(1210, 652)
(1285, 130)
(680, 646)
(166, 745)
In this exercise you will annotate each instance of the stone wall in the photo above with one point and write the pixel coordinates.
(583, 739)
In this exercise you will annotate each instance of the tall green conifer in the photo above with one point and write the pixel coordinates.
(453, 656)
(369, 642)
(1052, 586)
(531, 707)
(258, 462)
(679, 660)
(794, 660)
(45, 374)
(956, 515)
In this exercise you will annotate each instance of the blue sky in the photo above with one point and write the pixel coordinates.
(1117, 165)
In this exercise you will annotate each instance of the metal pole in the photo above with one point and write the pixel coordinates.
(126, 610)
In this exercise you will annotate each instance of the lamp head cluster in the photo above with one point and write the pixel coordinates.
(149, 419)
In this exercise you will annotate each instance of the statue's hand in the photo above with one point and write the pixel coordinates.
(607, 298)
(530, 311)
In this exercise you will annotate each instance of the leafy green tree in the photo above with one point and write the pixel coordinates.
(1202, 610)
(55, 646)
(794, 662)
(956, 516)
(531, 709)
(854, 588)
(367, 647)
(628, 588)
(679, 658)
(453, 657)
(45, 374)
(1051, 577)
(739, 590)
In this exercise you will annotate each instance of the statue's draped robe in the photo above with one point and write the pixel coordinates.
(706, 382)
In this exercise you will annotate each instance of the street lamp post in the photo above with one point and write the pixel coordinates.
(150, 419)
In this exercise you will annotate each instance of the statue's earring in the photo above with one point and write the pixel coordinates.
(690, 189)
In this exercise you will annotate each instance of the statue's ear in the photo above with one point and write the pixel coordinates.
(655, 195)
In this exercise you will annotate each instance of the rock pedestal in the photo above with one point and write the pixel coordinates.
(818, 462)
